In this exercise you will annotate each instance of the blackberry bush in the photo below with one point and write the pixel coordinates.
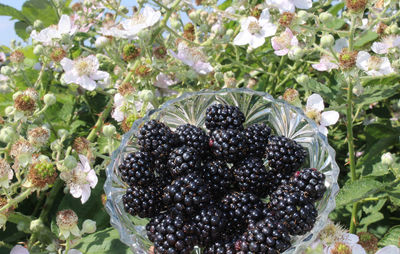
(221, 116)
(229, 145)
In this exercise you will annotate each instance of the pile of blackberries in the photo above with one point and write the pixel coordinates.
(210, 189)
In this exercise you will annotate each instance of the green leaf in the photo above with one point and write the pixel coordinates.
(102, 242)
(317, 87)
(372, 218)
(375, 206)
(352, 192)
(225, 5)
(365, 38)
(42, 10)
(391, 237)
(373, 94)
(20, 29)
(335, 23)
(6, 10)
(334, 10)
(379, 169)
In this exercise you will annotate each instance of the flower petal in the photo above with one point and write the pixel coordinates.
(315, 102)
(390, 249)
(85, 162)
(362, 60)
(380, 48)
(75, 190)
(99, 75)
(64, 25)
(323, 130)
(67, 64)
(85, 193)
(269, 29)
(350, 238)
(358, 249)
(18, 249)
(341, 44)
(256, 41)
(151, 15)
(87, 83)
(92, 178)
(302, 4)
(242, 38)
(329, 118)
(385, 67)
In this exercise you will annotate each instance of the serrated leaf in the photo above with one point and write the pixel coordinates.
(102, 242)
(317, 87)
(372, 218)
(391, 237)
(6, 10)
(375, 206)
(20, 29)
(379, 169)
(365, 38)
(334, 9)
(42, 10)
(335, 23)
(373, 94)
(352, 192)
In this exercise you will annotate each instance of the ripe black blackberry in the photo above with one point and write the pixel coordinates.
(311, 182)
(194, 137)
(219, 176)
(241, 208)
(284, 154)
(257, 136)
(183, 160)
(163, 175)
(171, 234)
(136, 169)
(156, 138)
(251, 176)
(187, 194)
(229, 145)
(266, 236)
(276, 178)
(142, 201)
(210, 222)
(290, 206)
(221, 116)
(225, 245)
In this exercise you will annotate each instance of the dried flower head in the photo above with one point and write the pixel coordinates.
(57, 54)
(67, 222)
(356, 5)
(17, 56)
(6, 173)
(381, 28)
(142, 70)
(82, 146)
(331, 233)
(160, 52)
(3, 202)
(286, 19)
(255, 12)
(347, 59)
(43, 173)
(341, 248)
(76, 7)
(31, 92)
(21, 147)
(291, 95)
(126, 88)
(25, 103)
(189, 32)
(127, 122)
(368, 241)
(1, 120)
(38, 136)
(130, 52)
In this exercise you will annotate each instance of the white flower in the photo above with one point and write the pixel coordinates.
(373, 65)
(386, 44)
(6, 173)
(118, 113)
(72, 251)
(18, 249)
(80, 179)
(140, 21)
(193, 57)
(315, 106)
(390, 249)
(114, 31)
(4, 84)
(2, 57)
(289, 5)
(83, 71)
(164, 81)
(284, 42)
(254, 31)
(125, 105)
(325, 64)
(65, 26)
(341, 44)
(348, 244)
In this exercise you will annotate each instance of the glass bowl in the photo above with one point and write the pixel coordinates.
(284, 119)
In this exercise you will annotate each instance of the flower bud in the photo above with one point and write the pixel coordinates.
(38, 24)
(327, 41)
(9, 111)
(123, 9)
(6, 70)
(70, 162)
(325, 17)
(387, 159)
(8, 134)
(88, 227)
(146, 95)
(38, 50)
(3, 220)
(194, 15)
(56, 145)
(295, 53)
(36, 225)
(67, 221)
(230, 32)
(102, 42)
(393, 28)
(49, 99)
(38, 136)
(358, 89)
(22, 226)
(302, 79)
(62, 133)
(292, 96)
(109, 130)
(175, 24)
(303, 15)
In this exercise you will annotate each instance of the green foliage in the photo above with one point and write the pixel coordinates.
(392, 237)
(103, 242)
(354, 191)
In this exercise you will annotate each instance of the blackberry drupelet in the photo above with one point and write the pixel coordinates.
(221, 116)
(210, 222)
(276, 179)
(251, 176)
(194, 137)
(225, 245)
(229, 145)
(171, 234)
(219, 176)
(163, 175)
(289, 205)
(284, 154)
(156, 138)
(266, 236)
(311, 182)
(144, 202)
(257, 136)
(136, 169)
(187, 194)
(183, 160)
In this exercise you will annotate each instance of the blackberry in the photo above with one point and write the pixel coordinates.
(289, 205)
(183, 160)
(171, 234)
(144, 202)
(218, 175)
(225, 245)
(229, 145)
(194, 137)
(211, 223)
(156, 138)
(187, 194)
(241, 208)
(136, 169)
(251, 176)
(284, 154)
(311, 182)
(221, 116)
(163, 175)
(266, 236)
(257, 136)
(276, 179)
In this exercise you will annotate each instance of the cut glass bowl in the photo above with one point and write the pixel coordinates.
(258, 107)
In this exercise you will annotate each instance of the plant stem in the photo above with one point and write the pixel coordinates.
(99, 122)
(50, 199)
(17, 199)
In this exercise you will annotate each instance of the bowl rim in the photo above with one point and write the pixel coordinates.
(110, 208)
